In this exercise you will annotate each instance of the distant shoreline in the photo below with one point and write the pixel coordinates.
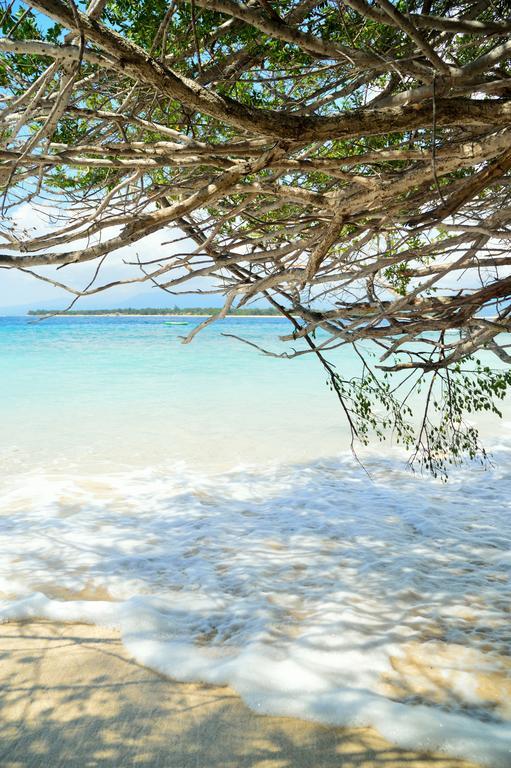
(153, 312)
(133, 314)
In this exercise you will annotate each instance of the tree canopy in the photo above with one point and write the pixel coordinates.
(346, 161)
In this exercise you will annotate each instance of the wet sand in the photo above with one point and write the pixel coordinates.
(71, 697)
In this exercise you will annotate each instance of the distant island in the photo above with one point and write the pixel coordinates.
(153, 311)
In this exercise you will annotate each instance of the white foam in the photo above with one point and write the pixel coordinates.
(297, 586)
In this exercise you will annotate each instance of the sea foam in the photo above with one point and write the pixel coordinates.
(312, 590)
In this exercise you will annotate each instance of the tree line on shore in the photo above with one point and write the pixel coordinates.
(259, 312)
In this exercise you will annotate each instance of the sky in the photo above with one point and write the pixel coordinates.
(20, 292)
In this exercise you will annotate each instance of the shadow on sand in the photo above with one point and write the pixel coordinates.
(70, 696)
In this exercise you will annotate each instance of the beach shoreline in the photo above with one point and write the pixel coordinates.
(164, 314)
(73, 697)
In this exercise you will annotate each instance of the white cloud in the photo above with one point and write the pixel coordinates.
(19, 289)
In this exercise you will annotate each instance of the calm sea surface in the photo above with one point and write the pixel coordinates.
(126, 390)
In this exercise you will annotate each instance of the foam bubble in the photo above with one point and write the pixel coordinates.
(312, 591)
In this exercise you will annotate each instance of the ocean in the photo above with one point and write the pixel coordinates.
(203, 500)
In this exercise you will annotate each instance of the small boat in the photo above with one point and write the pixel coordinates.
(175, 322)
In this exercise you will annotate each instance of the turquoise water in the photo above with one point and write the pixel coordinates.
(127, 390)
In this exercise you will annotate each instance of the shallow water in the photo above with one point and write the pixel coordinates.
(111, 391)
(204, 503)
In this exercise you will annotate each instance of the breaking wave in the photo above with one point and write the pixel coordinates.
(311, 589)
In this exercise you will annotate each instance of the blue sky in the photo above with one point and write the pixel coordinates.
(20, 292)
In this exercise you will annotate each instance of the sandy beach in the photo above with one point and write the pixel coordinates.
(71, 696)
